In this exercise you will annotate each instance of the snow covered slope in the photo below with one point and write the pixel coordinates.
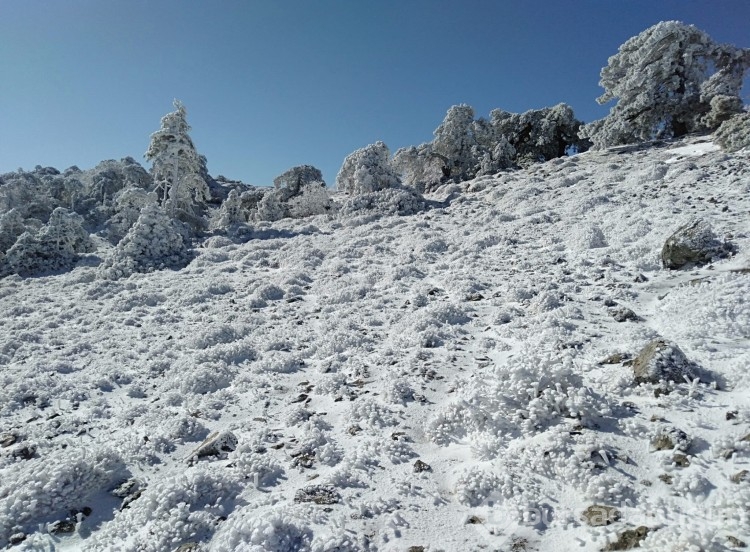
(431, 382)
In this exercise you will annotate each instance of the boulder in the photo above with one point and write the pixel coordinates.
(693, 243)
(662, 360)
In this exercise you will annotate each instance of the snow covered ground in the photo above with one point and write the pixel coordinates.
(431, 382)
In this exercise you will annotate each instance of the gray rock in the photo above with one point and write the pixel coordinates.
(630, 538)
(671, 438)
(662, 360)
(694, 243)
(623, 314)
(597, 515)
(420, 466)
(217, 444)
(319, 494)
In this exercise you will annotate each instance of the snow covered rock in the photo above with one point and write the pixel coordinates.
(662, 360)
(693, 243)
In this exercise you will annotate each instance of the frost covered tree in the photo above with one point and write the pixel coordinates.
(367, 170)
(535, 135)
(419, 167)
(177, 168)
(670, 80)
(455, 143)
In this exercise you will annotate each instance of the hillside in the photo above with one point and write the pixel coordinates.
(395, 382)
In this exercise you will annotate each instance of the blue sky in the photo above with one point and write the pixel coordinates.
(276, 83)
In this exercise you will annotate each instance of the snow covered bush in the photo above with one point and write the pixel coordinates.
(171, 511)
(367, 170)
(734, 133)
(153, 243)
(394, 201)
(277, 529)
(475, 485)
(531, 392)
(55, 246)
(313, 200)
(666, 81)
(54, 485)
(128, 204)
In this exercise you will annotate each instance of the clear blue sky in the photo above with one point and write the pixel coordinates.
(276, 83)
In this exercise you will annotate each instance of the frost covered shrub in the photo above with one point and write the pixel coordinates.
(584, 237)
(55, 246)
(278, 529)
(201, 378)
(372, 413)
(155, 242)
(533, 391)
(313, 200)
(430, 326)
(279, 362)
(475, 485)
(734, 133)
(255, 466)
(170, 512)
(367, 170)
(128, 204)
(54, 485)
(395, 201)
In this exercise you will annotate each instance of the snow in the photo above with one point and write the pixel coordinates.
(330, 354)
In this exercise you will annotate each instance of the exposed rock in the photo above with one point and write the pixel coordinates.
(189, 547)
(63, 526)
(662, 360)
(420, 466)
(628, 539)
(216, 444)
(17, 538)
(597, 515)
(7, 439)
(24, 452)
(474, 520)
(671, 438)
(681, 460)
(416, 549)
(694, 243)
(740, 476)
(319, 494)
(624, 314)
(615, 358)
(735, 542)
(126, 488)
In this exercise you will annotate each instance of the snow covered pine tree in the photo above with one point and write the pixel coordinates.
(177, 167)
(670, 80)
